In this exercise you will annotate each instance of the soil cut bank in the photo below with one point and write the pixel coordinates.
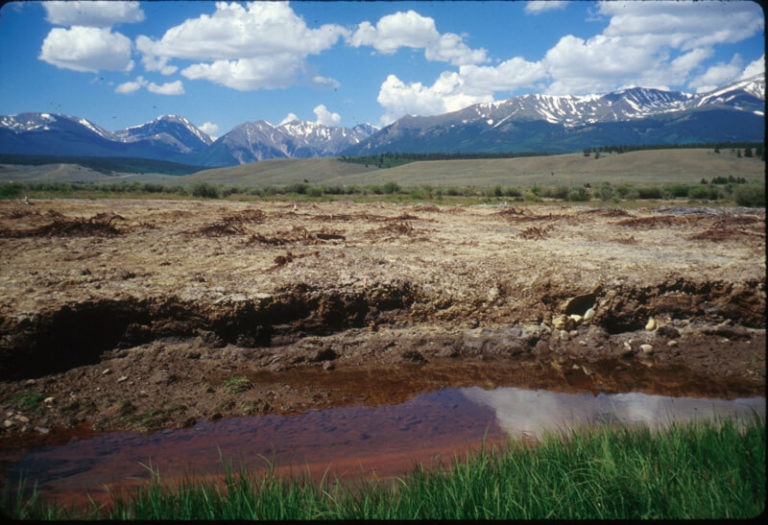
(142, 315)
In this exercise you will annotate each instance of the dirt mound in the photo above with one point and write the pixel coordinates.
(723, 234)
(536, 233)
(661, 221)
(97, 226)
(298, 234)
(426, 208)
(607, 212)
(233, 224)
(404, 227)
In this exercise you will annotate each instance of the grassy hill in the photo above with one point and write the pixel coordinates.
(636, 167)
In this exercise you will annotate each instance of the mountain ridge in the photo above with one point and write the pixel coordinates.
(524, 123)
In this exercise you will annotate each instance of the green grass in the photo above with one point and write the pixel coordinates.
(699, 470)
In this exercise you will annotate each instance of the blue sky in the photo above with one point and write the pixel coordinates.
(219, 64)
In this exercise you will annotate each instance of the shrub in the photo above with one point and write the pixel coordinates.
(531, 197)
(677, 190)
(390, 187)
(150, 187)
(605, 191)
(314, 191)
(205, 190)
(623, 190)
(9, 190)
(751, 195)
(650, 192)
(511, 191)
(579, 194)
(703, 192)
(297, 187)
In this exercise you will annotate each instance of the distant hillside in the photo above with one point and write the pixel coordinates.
(640, 167)
(105, 165)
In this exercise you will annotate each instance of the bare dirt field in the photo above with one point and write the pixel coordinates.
(143, 315)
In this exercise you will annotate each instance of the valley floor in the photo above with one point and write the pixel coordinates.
(142, 315)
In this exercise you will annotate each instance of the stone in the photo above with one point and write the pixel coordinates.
(651, 325)
(7, 423)
(23, 419)
(43, 430)
(589, 314)
(328, 365)
(573, 333)
(49, 400)
(668, 331)
(672, 343)
(121, 379)
(30, 382)
(576, 318)
(559, 322)
(646, 348)
(106, 371)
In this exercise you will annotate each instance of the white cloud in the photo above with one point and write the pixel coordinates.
(169, 88)
(539, 6)
(290, 117)
(259, 45)
(92, 13)
(87, 49)
(210, 129)
(131, 86)
(246, 74)
(651, 44)
(325, 117)
(718, 75)
(754, 68)
(443, 96)
(326, 82)
(152, 63)
(410, 29)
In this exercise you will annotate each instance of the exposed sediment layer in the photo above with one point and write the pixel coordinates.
(146, 315)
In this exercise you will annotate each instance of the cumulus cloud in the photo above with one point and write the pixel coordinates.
(325, 117)
(87, 49)
(445, 95)
(210, 129)
(718, 75)
(169, 88)
(260, 45)
(325, 82)
(410, 29)
(92, 13)
(754, 68)
(539, 6)
(651, 44)
(126, 88)
(158, 64)
(290, 117)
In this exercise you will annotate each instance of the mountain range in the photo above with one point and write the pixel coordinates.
(526, 123)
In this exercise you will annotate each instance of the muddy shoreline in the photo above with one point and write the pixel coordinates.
(149, 315)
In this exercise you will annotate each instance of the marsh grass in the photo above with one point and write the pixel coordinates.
(698, 470)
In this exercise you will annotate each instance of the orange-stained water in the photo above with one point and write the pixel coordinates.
(347, 442)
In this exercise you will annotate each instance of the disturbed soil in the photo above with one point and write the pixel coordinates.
(144, 315)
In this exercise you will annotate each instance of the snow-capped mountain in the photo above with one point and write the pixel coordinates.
(548, 123)
(254, 141)
(170, 131)
(527, 123)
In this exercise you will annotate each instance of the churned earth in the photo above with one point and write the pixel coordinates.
(144, 315)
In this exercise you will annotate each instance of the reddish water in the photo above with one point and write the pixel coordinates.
(379, 441)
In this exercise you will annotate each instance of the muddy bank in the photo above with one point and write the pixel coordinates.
(147, 315)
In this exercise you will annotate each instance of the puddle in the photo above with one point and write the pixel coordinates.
(383, 441)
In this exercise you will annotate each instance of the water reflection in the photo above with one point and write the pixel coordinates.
(344, 441)
(523, 412)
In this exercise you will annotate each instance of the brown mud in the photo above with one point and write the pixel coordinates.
(185, 311)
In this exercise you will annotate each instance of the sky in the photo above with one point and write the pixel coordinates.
(219, 64)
